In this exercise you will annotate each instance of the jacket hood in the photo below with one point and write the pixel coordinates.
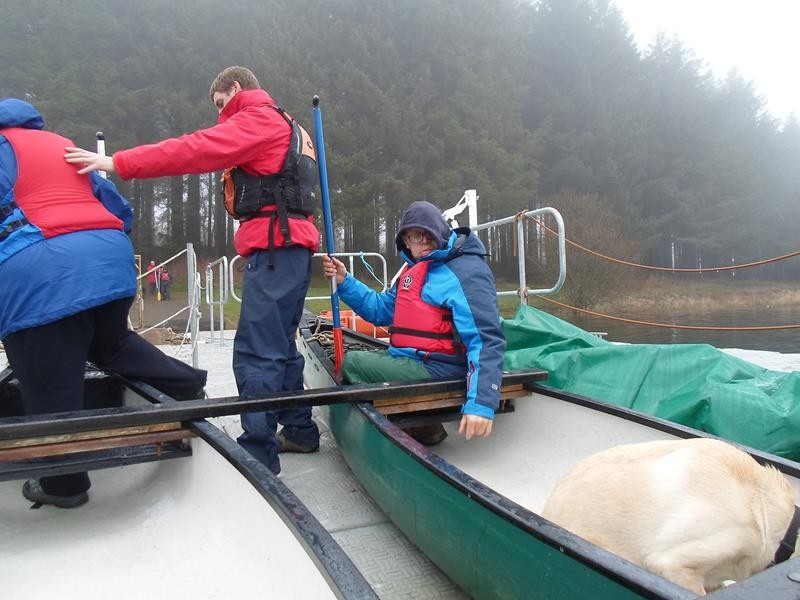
(423, 215)
(245, 99)
(18, 113)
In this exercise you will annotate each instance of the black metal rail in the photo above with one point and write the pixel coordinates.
(166, 412)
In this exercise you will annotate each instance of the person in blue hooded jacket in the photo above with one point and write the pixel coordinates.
(68, 280)
(443, 317)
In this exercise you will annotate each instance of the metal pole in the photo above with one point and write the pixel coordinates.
(101, 149)
(194, 299)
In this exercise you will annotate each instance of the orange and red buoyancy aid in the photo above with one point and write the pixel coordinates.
(416, 323)
(51, 195)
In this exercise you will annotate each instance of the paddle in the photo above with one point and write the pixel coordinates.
(338, 341)
(171, 411)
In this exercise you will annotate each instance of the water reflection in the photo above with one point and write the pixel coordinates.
(777, 341)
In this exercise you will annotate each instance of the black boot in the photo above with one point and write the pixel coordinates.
(428, 435)
(33, 491)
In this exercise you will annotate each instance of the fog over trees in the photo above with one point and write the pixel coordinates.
(533, 104)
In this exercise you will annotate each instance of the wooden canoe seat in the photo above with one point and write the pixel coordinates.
(88, 441)
(443, 403)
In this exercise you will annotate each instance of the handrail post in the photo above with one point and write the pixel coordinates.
(231, 273)
(223, 282)
(471, 197)
(194, 299)
(523, 285)
(223, 297)
(210, 300)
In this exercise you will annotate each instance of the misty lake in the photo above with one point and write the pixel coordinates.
(787, 341)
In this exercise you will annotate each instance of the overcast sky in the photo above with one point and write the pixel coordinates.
(760, 38)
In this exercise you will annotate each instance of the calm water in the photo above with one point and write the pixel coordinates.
(787, 341)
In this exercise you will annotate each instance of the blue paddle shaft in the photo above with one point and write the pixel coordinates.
(319, 140)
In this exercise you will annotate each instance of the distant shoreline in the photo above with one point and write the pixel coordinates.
(700, 297)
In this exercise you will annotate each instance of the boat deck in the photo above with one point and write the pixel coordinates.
(388, 560)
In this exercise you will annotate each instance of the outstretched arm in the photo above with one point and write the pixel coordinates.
(89, 161)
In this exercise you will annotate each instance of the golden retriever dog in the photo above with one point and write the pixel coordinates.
(698, 512)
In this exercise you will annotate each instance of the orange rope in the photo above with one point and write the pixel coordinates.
(668, 326)
(670, 269)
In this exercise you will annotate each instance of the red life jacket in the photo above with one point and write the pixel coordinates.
(48, 190)
(418, 324)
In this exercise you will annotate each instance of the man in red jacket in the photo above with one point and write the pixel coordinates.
(254, 136)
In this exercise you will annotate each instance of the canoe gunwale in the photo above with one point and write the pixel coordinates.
(776, 582)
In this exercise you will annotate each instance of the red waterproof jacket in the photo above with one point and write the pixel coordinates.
(250, 135)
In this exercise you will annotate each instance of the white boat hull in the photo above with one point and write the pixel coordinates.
(182, 528)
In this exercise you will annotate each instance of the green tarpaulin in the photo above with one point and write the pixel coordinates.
(691, 384)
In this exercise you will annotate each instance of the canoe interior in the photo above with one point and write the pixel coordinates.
(188, 527)
(532, 448)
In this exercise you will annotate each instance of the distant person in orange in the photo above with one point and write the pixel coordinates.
(165, 281)
(152, 279)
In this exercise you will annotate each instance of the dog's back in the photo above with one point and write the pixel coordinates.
(697, 512)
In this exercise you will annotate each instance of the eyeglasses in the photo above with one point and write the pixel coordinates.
(416, 237)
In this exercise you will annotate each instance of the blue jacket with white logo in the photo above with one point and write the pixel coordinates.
(460, 280)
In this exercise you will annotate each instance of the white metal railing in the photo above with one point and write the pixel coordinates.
(362, 255)
(225, 269)
(349, 255)
(231, 283)
(156, 270)
(523, 291)
(223, 278)
(192, 297)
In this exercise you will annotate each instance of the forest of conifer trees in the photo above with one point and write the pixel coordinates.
(542, 103)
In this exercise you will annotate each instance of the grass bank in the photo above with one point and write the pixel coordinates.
(704, 296)
(657, 294)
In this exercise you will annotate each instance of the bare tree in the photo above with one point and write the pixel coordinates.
(591, 223)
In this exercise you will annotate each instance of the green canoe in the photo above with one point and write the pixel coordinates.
(472, 507)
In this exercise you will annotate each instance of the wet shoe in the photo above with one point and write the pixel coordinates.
(33, 491)
(428, 435)
(287, 445)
